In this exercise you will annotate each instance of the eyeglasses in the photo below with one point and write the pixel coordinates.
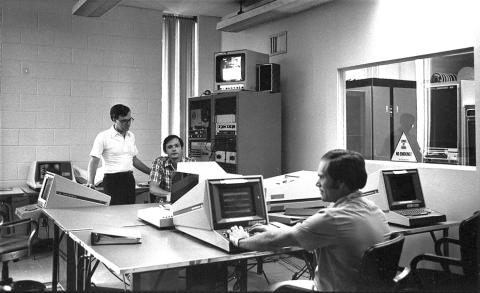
(125, 121)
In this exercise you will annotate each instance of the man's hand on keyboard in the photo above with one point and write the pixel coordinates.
(236, 233)
(259, 228)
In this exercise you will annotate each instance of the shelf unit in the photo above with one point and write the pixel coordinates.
(240, 130)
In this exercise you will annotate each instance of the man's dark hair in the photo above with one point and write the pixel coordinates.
(346, 166)
(118, 110)
(169, 138)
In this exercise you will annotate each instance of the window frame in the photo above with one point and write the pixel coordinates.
(342, 114)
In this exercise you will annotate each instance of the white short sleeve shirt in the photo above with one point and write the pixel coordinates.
(116, 151)
(340, 235)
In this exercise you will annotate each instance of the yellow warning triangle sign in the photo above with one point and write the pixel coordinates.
(403, 152)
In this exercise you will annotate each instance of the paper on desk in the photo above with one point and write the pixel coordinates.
(114, 236)
(118, 232)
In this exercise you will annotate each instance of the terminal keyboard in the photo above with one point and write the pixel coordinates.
(413, 212)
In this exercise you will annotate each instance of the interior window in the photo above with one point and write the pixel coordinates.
(416, 110)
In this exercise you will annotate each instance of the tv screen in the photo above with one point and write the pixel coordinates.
(60, 168)
(230, 68)
(237, 202)
(403, 187)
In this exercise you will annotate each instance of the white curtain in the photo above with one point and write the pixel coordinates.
(178, 73)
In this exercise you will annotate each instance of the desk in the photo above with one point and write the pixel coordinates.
(87, 218)
(10, 198)
(441, 226)
(160, 249)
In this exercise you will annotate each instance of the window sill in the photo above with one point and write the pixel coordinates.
(375, 164)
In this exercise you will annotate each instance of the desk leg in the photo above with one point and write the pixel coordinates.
(82, 270)
(56, 240)
(71, 281)
(242, 275)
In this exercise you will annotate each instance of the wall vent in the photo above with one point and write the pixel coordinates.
(278, 43)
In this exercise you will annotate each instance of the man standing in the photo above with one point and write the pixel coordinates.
(339, 234)
(163, 168)
(116, 146)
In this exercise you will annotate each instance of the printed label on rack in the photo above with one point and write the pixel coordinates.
(226, 127)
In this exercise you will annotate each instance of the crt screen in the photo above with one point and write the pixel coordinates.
(231, 68)
(49, 167)
(403, 188)
(46, 188)
(237, 202)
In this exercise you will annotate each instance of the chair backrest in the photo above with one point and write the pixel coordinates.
(380, 264)
(469, 243)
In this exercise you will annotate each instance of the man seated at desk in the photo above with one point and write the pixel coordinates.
(163, 168)
(339, 234)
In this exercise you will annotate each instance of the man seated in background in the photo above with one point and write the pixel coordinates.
(339, 234)
(163, 168)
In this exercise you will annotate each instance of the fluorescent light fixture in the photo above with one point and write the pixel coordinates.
(93, 8)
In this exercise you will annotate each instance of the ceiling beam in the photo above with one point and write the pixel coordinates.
(93, 8)
(270, 11)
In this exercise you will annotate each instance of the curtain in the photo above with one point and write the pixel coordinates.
(178, 73)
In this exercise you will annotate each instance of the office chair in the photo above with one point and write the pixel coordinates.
(443, 279)
(378, 269)
(14, 246)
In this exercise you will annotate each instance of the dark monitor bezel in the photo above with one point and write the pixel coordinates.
(219, 223)
(419, 202)
(218, 70)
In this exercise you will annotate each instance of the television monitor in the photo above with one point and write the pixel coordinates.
(395, 188)
(217, 201)
(231, 67)
(236, 70)
(399, 194)
(236, 201)
(403, 189)
(60, 192)
(38, 169)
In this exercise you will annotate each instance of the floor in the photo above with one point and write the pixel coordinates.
(38, 267)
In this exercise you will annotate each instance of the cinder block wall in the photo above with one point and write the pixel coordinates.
(60, 74)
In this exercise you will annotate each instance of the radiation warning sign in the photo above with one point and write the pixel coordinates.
(403, 152)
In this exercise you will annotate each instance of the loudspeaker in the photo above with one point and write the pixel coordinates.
(268, 77)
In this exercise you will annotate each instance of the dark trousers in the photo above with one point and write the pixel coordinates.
(120, 186)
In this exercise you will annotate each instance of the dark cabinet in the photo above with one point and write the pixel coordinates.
(241, 131)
